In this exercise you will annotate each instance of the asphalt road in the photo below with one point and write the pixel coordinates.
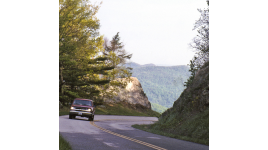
(109, 132)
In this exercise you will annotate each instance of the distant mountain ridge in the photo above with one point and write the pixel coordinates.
(136, 65)
(161, 84)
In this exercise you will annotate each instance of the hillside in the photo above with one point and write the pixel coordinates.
(161, 84)
(188, 119)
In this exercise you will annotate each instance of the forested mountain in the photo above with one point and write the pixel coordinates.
(136, 65)
(162, 85)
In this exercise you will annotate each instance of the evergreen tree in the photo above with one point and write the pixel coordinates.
(87, 67)
(79, 45)
(120, 75)
(118, 57)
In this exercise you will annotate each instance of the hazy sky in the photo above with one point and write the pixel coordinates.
(154, 31)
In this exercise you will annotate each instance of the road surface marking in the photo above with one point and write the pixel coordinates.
(110, 144)
(153, 137)
(121, 120)
(128, 138)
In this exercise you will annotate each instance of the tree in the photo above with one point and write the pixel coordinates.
(118, 57)
(85, 69)
(120, 75)
(200, 44)
(80, 64)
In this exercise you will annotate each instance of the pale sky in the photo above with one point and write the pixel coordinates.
(154, 31)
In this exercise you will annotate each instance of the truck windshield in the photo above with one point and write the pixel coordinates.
(82, 102)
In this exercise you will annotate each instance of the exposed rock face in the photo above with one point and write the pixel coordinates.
(132, 94)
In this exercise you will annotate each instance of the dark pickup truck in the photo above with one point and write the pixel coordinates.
(82, 107)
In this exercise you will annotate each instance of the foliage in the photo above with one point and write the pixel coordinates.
(158, 108)
(63, 144)
(162, 85)
(64, 110)
(78, 46)
(188, 119)
(200, 44)
(117, 48)
(83, 70)
(194, 129)
(193, 70)
(114, 50)
(121, 109)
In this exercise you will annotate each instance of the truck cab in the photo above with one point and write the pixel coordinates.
(82, 107)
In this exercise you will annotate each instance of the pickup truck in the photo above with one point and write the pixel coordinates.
(82, 107)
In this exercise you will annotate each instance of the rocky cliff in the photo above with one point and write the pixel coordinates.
(132, 94)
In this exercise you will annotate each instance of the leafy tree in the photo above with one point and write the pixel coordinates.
(200, 44)
(86, 68)
(193, 70)
(79, 45)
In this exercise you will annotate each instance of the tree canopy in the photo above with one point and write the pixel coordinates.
(200, 43)
(84, 71)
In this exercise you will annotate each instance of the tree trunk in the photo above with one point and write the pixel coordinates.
(61, 81)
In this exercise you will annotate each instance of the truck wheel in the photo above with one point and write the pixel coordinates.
(90, 118)
(70, 117)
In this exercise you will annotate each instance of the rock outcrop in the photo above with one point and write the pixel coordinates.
(132, 94)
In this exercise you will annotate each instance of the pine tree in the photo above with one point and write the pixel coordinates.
(79, 46)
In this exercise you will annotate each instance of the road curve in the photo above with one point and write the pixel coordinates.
(110, 132)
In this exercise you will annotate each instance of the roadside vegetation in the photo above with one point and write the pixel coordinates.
(188, 119)
(64, 110)
(63, 144)
(194, 128)
(124, 109)
(117, 109)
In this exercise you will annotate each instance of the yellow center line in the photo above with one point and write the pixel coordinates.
(121, 120)
(128, 138)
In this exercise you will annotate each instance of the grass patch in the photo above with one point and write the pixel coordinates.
(64, 111)
(121, 109)
(64, 145)
(194, 129)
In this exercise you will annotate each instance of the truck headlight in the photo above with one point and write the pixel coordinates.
(72, 108)
(89, 109)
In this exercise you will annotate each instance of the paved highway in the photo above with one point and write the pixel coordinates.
(109, 132)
